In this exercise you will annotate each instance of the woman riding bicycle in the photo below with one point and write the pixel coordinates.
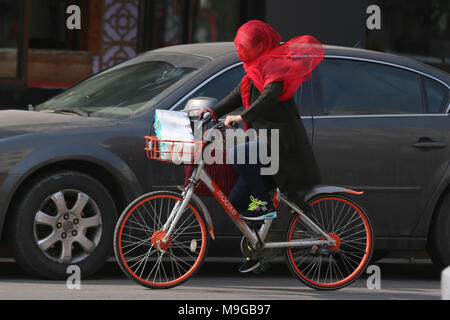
(274, 72)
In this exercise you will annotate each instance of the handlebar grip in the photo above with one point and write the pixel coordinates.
(235, 125)
(207, 116)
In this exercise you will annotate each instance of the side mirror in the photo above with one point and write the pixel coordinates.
(195, 104)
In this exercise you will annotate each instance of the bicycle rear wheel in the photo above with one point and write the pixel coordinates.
(331, 267)
(139, 251)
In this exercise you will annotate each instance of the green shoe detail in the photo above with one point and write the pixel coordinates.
(255, 203)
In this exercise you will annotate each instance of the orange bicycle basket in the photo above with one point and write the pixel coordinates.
(172, 151)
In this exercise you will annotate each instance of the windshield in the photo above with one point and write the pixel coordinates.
(123, 90)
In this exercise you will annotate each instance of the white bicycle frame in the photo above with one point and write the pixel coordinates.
(255, 238)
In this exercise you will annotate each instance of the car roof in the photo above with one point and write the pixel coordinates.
(209, 50)
(227, 51)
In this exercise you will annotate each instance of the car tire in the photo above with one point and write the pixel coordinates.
(438, 245)
(46, 237)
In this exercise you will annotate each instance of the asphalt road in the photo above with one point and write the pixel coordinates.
(400, 279)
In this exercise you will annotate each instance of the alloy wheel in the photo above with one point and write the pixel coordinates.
(68, 226)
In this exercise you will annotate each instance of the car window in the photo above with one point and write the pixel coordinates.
(436, 95)
(222, 85)
(219, 87)
(353, 87)
(303, 98)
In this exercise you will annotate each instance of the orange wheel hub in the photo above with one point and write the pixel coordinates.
(336, 238)
(157, 237)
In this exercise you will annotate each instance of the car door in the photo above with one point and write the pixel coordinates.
(423, 152)
(370, 133)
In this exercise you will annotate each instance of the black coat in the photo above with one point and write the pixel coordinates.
(298, 170)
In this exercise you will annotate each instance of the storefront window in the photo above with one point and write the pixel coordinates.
(168, 22)
(171, 22)
(9, 38)
(48, 25)
(215, 20)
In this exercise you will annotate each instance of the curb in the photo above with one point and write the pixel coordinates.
(445, 284)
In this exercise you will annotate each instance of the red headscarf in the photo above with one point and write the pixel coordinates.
(265, 60)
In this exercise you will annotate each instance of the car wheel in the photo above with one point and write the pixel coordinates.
(62, 219)
(438, 245)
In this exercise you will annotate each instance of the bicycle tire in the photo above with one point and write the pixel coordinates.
(179, 268)
(344, 252)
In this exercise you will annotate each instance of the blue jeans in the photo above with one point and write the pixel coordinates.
(250, 181)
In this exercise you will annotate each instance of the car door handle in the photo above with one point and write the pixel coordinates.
(429, 144)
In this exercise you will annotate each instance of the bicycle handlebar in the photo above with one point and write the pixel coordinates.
(207, 117)
(235, 125)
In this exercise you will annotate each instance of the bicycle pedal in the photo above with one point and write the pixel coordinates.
(262, 268)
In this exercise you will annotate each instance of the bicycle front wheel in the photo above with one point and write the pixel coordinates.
(139, 250)
(331, 267)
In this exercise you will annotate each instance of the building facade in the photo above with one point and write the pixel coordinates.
(40, 55)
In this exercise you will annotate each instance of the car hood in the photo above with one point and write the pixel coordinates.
(18, 122)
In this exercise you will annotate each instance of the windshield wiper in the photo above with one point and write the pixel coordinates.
(76, 111)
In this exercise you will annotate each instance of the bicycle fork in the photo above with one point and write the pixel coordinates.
(176, 214)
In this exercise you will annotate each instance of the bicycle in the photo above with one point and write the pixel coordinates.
(161, 238)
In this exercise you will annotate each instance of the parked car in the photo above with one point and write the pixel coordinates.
(377, 122)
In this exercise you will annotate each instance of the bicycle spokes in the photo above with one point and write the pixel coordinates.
(142, 249)
(332, 266)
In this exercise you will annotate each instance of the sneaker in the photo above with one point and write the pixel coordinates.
(259, 210)
(249, 265)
